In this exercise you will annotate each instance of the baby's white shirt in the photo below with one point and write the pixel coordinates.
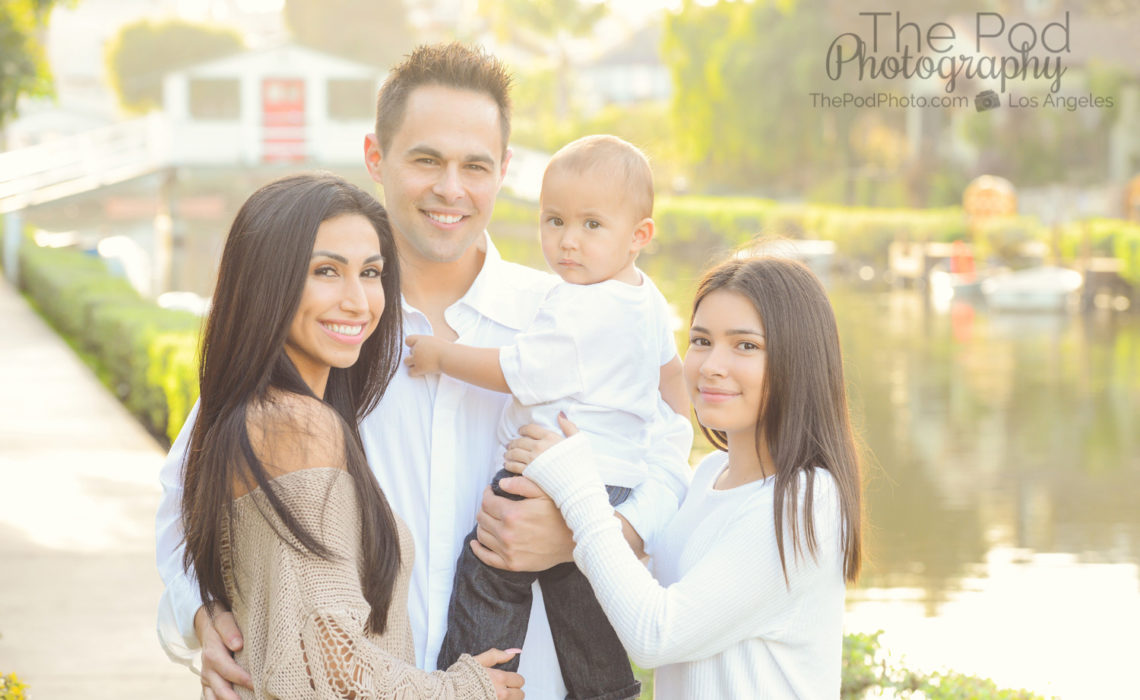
(594, 351)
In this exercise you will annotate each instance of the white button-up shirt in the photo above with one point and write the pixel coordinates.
(431, 442)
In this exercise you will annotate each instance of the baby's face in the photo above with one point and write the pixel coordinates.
(587, 225)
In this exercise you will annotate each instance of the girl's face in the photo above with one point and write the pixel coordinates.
(342, 301)
(725, 364)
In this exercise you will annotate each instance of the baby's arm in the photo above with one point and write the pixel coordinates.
(672, 387)
(478, 366)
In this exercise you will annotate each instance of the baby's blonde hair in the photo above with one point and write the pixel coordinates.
(589, 152)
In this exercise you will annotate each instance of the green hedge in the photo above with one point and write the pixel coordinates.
(145, 354)
(1004, 238)
(1112, 238)
(867, 672)
(699, 224)
(859, 233)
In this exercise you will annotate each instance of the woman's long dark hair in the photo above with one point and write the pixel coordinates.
(244, 366)
(803, 406)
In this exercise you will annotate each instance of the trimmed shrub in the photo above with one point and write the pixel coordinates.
(867, 670)
(860, 233)
(173, 367)
(1111, 238)
(1005, 238)
(146, 355)
(698, 225)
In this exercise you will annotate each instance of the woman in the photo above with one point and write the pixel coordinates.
(285, 523)
(748, 600)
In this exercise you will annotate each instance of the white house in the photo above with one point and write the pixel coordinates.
(632, 71)
(283, 104)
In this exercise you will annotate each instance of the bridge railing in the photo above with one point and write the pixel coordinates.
(83, 162)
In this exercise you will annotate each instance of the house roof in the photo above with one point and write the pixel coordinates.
(281, 58)
(643, 47)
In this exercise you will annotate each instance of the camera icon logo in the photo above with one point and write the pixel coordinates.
(986, 100)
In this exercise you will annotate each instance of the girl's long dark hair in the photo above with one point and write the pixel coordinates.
(260, 281)
(803, 406)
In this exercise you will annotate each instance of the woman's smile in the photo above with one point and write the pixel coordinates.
(713, 395)
(351, 332)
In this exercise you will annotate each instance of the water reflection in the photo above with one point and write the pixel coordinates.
(1000, 430)
(1004, 527)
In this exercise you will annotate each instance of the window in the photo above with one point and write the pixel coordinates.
(218, 99)
(352, 100)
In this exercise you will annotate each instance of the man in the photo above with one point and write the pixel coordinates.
(440, 154)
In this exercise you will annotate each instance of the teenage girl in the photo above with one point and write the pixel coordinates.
(745, 593)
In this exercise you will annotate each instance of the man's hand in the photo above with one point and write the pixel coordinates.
(508, 685)
(220, 637)
(526, 535)
(532, 441)
(426, 356)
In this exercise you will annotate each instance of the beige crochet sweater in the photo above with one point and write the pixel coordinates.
(303, 618)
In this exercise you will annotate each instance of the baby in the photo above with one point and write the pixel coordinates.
(601, 350)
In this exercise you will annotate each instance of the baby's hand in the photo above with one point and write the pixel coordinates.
(426, 356)
(532, 441)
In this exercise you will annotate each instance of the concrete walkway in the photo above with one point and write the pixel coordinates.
(78, 494)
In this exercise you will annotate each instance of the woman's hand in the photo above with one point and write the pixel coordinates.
(508, 685)
(532, 441)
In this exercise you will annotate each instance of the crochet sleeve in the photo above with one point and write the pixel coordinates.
(341, 662)
(318, 643)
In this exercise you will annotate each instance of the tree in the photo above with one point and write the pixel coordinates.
(545, 27)
(23, 66)
(742, 74)
(375, 32)
(143, 52)
(1057, 142)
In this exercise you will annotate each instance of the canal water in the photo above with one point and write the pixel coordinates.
(1002, 460)
(1003, 490)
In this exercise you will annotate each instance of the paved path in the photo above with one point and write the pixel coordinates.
(78, 493)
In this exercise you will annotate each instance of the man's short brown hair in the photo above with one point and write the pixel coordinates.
(449, 65)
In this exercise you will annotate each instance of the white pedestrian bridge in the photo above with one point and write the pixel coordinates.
(82, 162)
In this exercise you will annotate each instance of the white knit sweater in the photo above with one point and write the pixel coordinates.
(719, 621)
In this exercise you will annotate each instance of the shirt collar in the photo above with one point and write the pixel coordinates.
(498, 292)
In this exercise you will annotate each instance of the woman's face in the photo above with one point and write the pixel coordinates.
(725, 364)
(342, 301)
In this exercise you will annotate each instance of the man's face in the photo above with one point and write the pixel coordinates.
(441, 172)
